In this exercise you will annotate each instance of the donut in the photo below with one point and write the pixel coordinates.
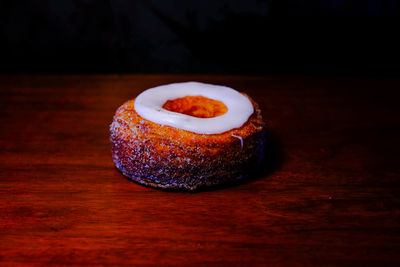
(188, 136)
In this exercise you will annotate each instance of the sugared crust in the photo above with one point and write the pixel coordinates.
(167, 157)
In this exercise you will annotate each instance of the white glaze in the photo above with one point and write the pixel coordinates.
(149, 106)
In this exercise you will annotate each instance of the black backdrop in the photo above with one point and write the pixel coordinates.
(208, 36)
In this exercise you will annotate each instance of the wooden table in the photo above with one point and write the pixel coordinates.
(329, 192)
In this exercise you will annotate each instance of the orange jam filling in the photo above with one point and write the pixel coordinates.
(196, 106)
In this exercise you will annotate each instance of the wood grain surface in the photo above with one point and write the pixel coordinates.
(328, 194)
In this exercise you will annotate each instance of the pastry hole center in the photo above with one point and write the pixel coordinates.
(196, 106)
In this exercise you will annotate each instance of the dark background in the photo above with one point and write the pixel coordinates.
(251, 37)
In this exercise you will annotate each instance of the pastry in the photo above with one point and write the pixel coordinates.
(187, 136)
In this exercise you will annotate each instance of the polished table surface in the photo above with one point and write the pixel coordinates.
(328, 192)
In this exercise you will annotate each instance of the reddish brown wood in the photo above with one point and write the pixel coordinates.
(330, 194)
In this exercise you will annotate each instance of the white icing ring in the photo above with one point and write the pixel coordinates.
(149, 104)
